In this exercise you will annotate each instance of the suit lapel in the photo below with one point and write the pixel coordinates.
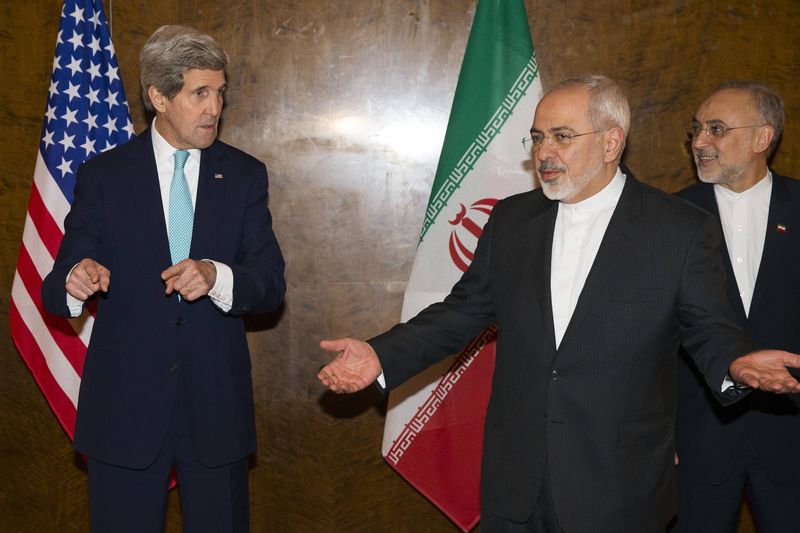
(780, 212)
(622, 228)
(540, 233)
(143, 176)
(208, 211)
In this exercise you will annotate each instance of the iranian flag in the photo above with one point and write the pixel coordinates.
(434, 428)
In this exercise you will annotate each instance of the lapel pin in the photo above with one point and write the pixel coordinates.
(780, 228)
(218, 176)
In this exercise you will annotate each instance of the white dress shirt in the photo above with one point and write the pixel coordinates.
(578, 232)
(222, 291)
(744, 223)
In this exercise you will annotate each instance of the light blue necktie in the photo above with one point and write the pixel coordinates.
(181, 212)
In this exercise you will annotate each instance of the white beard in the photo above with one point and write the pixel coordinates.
(566, 187)
(725, 175)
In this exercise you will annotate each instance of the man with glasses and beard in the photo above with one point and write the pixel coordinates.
(593, 282)
(750, 447)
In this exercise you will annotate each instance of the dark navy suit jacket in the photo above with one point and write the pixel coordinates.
(709, 435)
(598, 412)
(143, 340)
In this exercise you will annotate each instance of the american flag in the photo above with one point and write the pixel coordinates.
(86, 114)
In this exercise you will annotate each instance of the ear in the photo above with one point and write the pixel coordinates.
(157, 98)
(615, 142)
(762, 138)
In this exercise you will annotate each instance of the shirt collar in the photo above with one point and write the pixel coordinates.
(606, 198)
(762, 189)
(165, 151)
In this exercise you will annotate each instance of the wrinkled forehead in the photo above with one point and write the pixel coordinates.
(732, 107)
(197, 78)
(563, 109)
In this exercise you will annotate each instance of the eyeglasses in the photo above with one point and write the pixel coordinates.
(558, 140)
(718, 131)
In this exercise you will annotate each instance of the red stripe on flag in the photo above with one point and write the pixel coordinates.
(33, 357)
(45, 224)
(62, 331)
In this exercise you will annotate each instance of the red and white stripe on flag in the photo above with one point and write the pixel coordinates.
(86, 113)
(434, 427)
(439, 446)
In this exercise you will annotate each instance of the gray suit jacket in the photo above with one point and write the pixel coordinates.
(599, 412)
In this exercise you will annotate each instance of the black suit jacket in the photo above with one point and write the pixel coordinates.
(709, 436)
(142, 340)
(600, 410)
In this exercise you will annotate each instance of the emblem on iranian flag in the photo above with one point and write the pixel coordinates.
(462, 253)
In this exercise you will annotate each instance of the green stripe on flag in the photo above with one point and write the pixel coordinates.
(498, 68)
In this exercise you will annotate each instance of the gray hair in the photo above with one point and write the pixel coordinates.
(768, 104)
(608, 105)
(169, 53)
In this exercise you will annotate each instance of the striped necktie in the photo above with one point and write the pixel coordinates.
(181, 212)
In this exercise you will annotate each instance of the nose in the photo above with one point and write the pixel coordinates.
(215, 105)
(700, 140)
(546, 150)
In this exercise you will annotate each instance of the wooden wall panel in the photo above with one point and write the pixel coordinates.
(347, 103)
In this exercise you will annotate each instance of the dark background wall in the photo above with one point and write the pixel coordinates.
(347, 102)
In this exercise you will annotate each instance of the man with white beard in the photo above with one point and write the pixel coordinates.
(593, 283)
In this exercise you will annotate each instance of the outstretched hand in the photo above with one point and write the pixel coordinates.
(766, 370)
(355, 367)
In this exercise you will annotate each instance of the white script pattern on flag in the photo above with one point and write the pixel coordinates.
(480, 144)
(437, 396)
(86, 114)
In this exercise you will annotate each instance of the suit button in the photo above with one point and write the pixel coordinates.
(554, 375)
(173, 367)
(179, 322)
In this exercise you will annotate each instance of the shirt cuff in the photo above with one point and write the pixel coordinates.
(381, 381)
(74, 305)
(728, 383)
(222, 291)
